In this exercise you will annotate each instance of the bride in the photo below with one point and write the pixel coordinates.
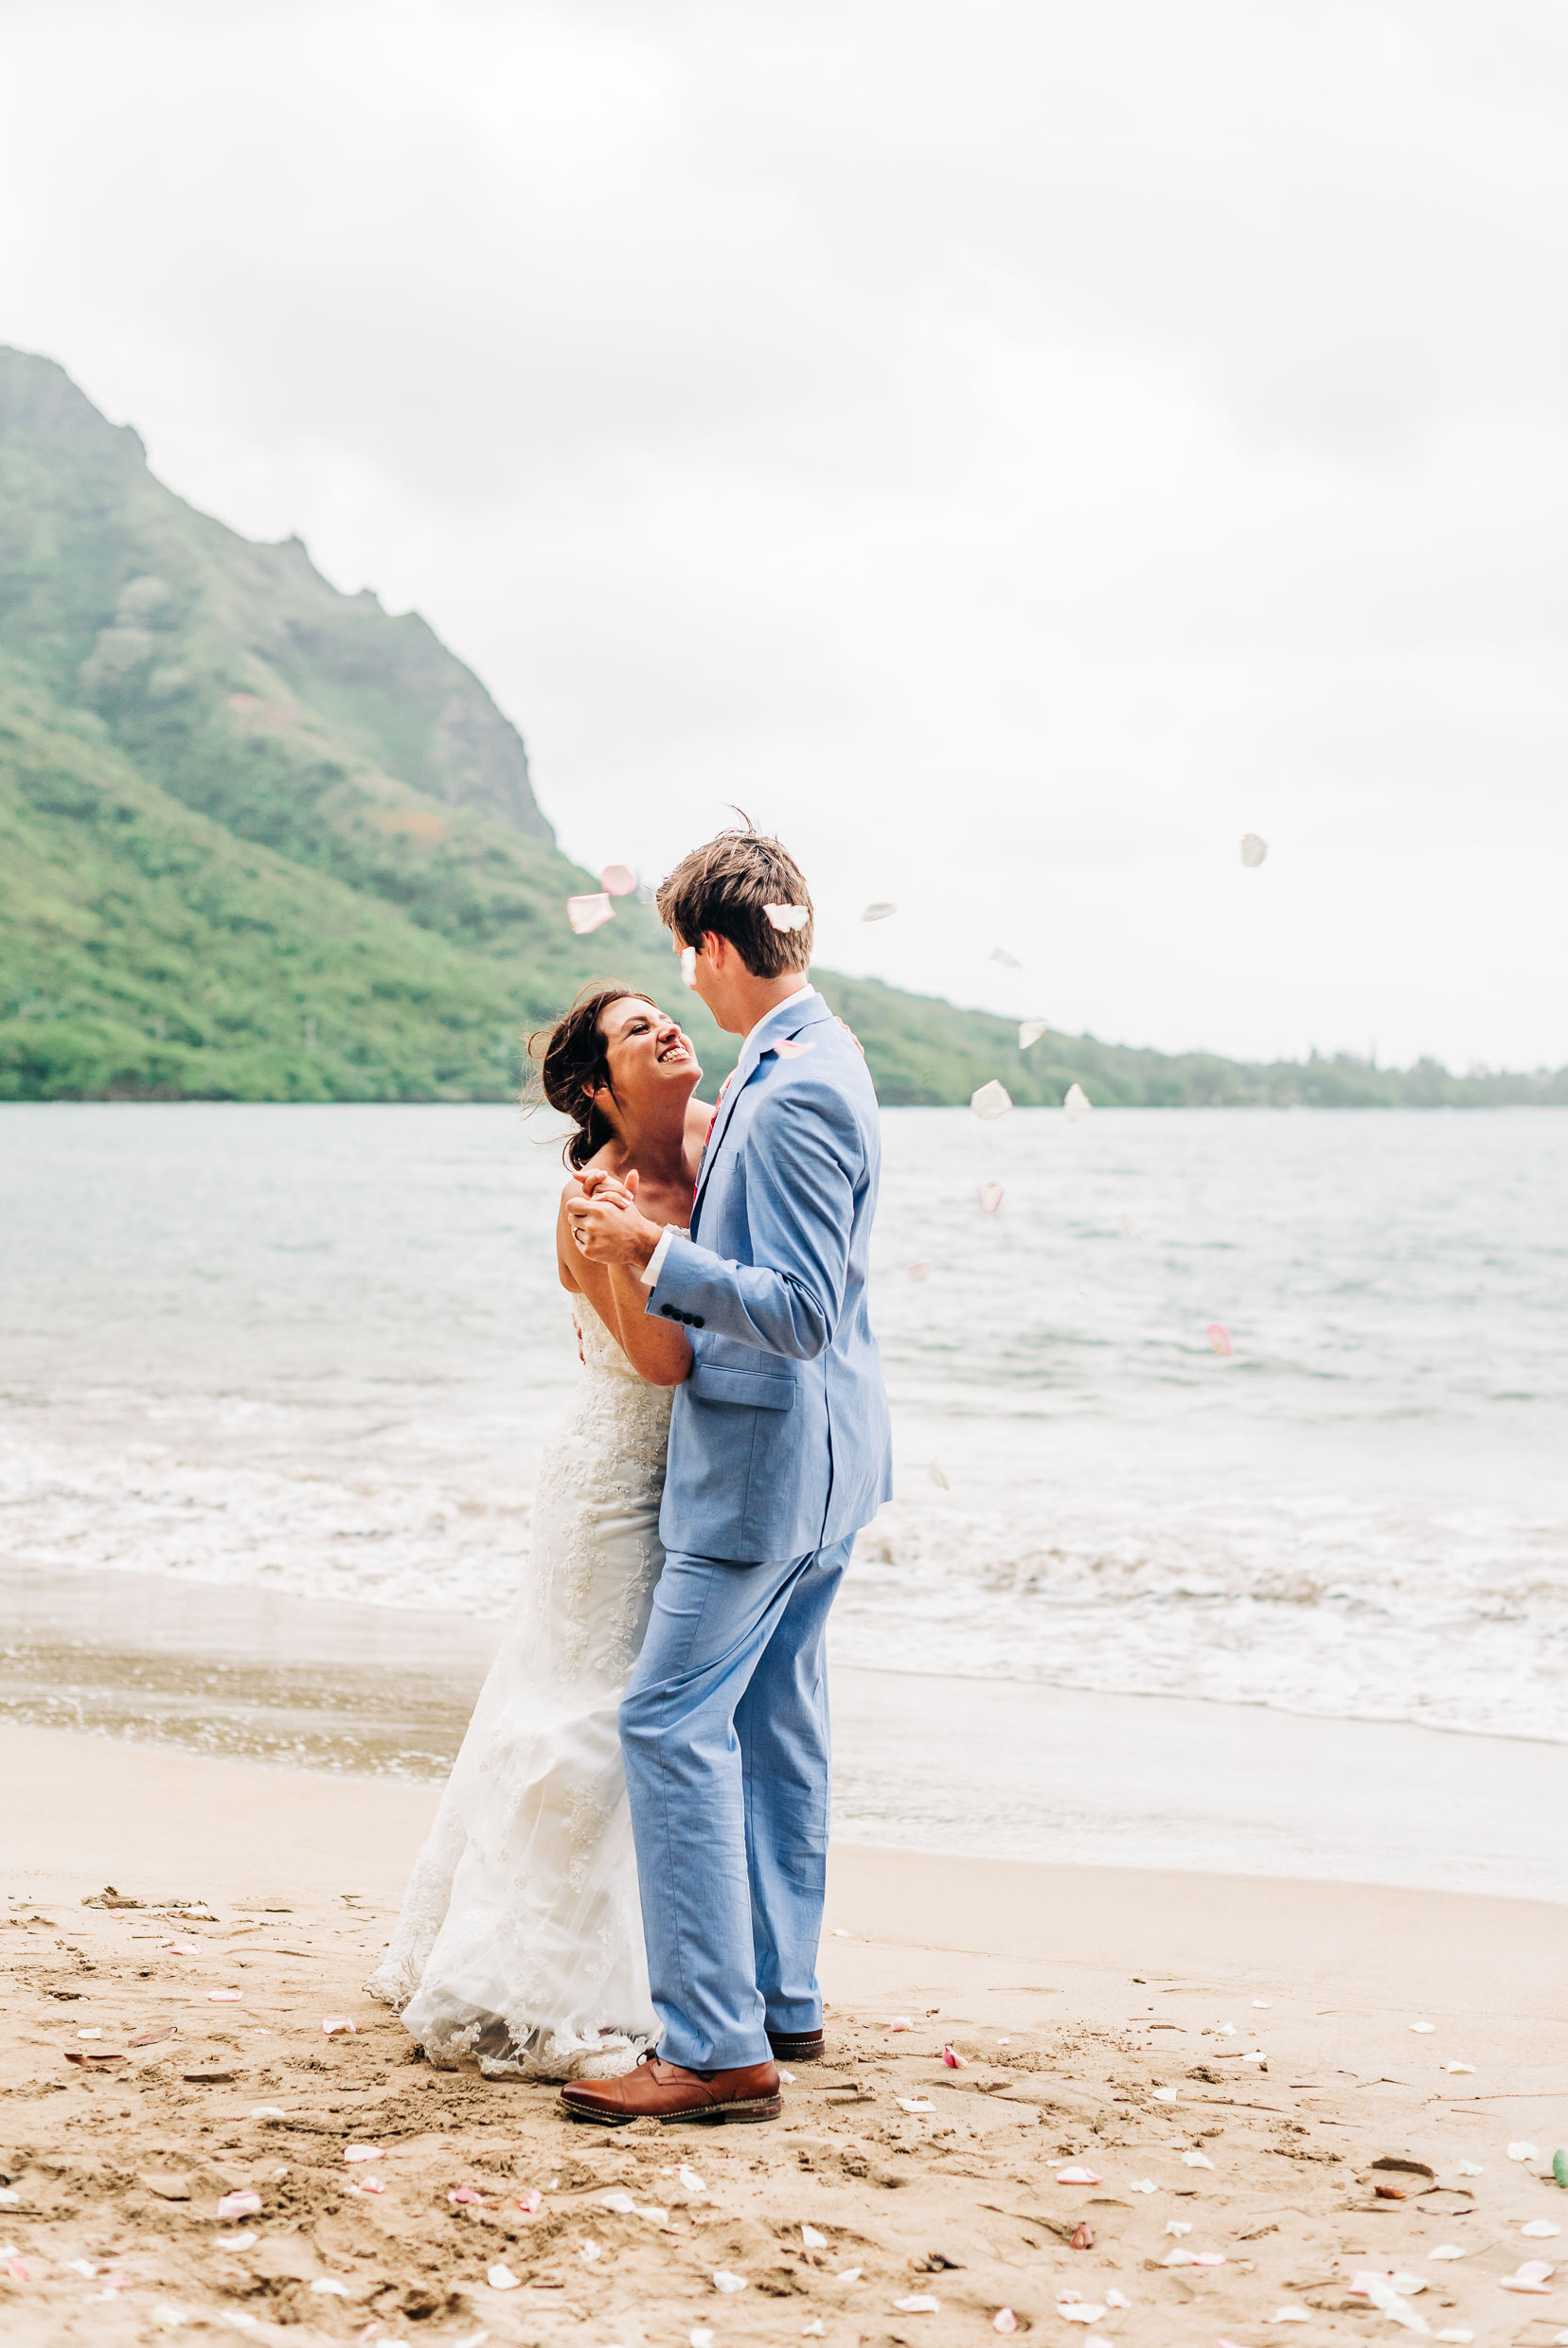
(520, 1944)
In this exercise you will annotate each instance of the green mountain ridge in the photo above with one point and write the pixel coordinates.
(263, 840)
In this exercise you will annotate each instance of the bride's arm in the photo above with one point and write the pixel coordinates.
(656, 1350)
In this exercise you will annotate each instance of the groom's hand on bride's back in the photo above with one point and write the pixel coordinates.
(606, 1223)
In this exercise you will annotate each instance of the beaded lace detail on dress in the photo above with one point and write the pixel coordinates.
(519, 1945)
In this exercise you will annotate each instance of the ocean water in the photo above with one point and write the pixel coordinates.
(321, 1350)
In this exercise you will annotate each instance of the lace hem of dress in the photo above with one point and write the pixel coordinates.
(502, 2050)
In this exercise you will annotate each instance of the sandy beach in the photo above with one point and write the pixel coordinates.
(1228, 2060)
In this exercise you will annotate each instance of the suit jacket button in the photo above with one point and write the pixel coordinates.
(670, 1310)
(696, 1320)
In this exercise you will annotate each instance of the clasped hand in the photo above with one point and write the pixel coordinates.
(606, 1223)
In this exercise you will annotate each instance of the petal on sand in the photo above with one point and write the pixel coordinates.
(1466, 2067)
(900, 2022)
(1079, 2176)
(914, 2103)
(1196, 2161)
(501, 2278)
(621, 2203)
(1165, 2094)
(1541, 2230)
(1030, 1031)
(991, 1196)
(529, 2203)
(1077, 1105)
(1253, 850)
(1424, 2029)
(954, 2061)
(338, 2027)
(812, 2240)
(1004, 2321)
(362, 2152)
(1145, 2185)
(1470, 2168)
(240, 2205)
(724, 2281)
(879, 912)
(1177, 2226)
(917, 1272)
(788, 917)
(225, 1997)
(990, 1100)
(1220, 1339)
(1522, 2151)
(587, 914)
(919, 2303)
(618, 879)
(1448, 2249)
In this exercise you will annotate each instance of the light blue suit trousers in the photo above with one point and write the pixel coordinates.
(724, 1730)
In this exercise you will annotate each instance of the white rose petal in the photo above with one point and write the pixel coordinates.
(724, 2281)
(1196, 2161)
(990, 1100)
(1522, 2151)
(1077, 1105)
(501, 2278)
(812, 2240)
(1253, 850)
(1541, 2229)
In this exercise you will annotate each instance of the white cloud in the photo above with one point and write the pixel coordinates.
(1015, 449)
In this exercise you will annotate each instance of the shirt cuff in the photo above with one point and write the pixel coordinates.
(655, 1264)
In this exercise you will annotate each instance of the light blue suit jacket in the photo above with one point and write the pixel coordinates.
(778, 1439)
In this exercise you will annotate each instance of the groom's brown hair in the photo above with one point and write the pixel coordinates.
(725, 887)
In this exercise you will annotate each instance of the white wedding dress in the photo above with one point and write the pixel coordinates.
(519, 1944)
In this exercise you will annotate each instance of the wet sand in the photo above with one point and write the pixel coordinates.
(930, 1762)
(1089, 2005)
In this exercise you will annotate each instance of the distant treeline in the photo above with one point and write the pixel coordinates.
(262, 840)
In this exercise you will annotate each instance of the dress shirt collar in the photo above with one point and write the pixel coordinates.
(790, 1003)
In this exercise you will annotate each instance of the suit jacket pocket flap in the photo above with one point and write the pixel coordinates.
(712, 1384)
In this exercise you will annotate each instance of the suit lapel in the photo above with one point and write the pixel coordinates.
(812, 1009)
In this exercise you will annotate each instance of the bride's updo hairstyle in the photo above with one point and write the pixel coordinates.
(573, 1066)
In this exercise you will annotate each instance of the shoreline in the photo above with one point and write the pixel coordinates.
(1008, 1769)
(1104, 2018)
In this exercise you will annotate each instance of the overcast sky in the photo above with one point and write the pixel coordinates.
(1012, 447)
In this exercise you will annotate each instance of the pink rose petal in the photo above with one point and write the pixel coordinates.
(334, 2025)
(991, 1196)
(185, 1947)
(17, 2270)
(919, 2303)
(900, 2022)
(1004, 2321)
(466, 2193)
(238, 2205)
(619, 879)
(1079, 2176)
(788, 1048)
(362, 2152)
(917, 1272)
(529, 2202)
(788, 917)
(587, 914)
(1219, 1337)
(225, 1997)
(953, 2062)
(366, 2184)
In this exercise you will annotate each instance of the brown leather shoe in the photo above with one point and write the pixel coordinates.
(660, 2090)
(796, 2046)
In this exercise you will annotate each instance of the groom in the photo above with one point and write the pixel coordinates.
(779, 1453)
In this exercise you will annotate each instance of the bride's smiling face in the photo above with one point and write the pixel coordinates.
(650, 1057)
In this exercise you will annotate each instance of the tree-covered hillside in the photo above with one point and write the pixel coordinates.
(263, 841)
